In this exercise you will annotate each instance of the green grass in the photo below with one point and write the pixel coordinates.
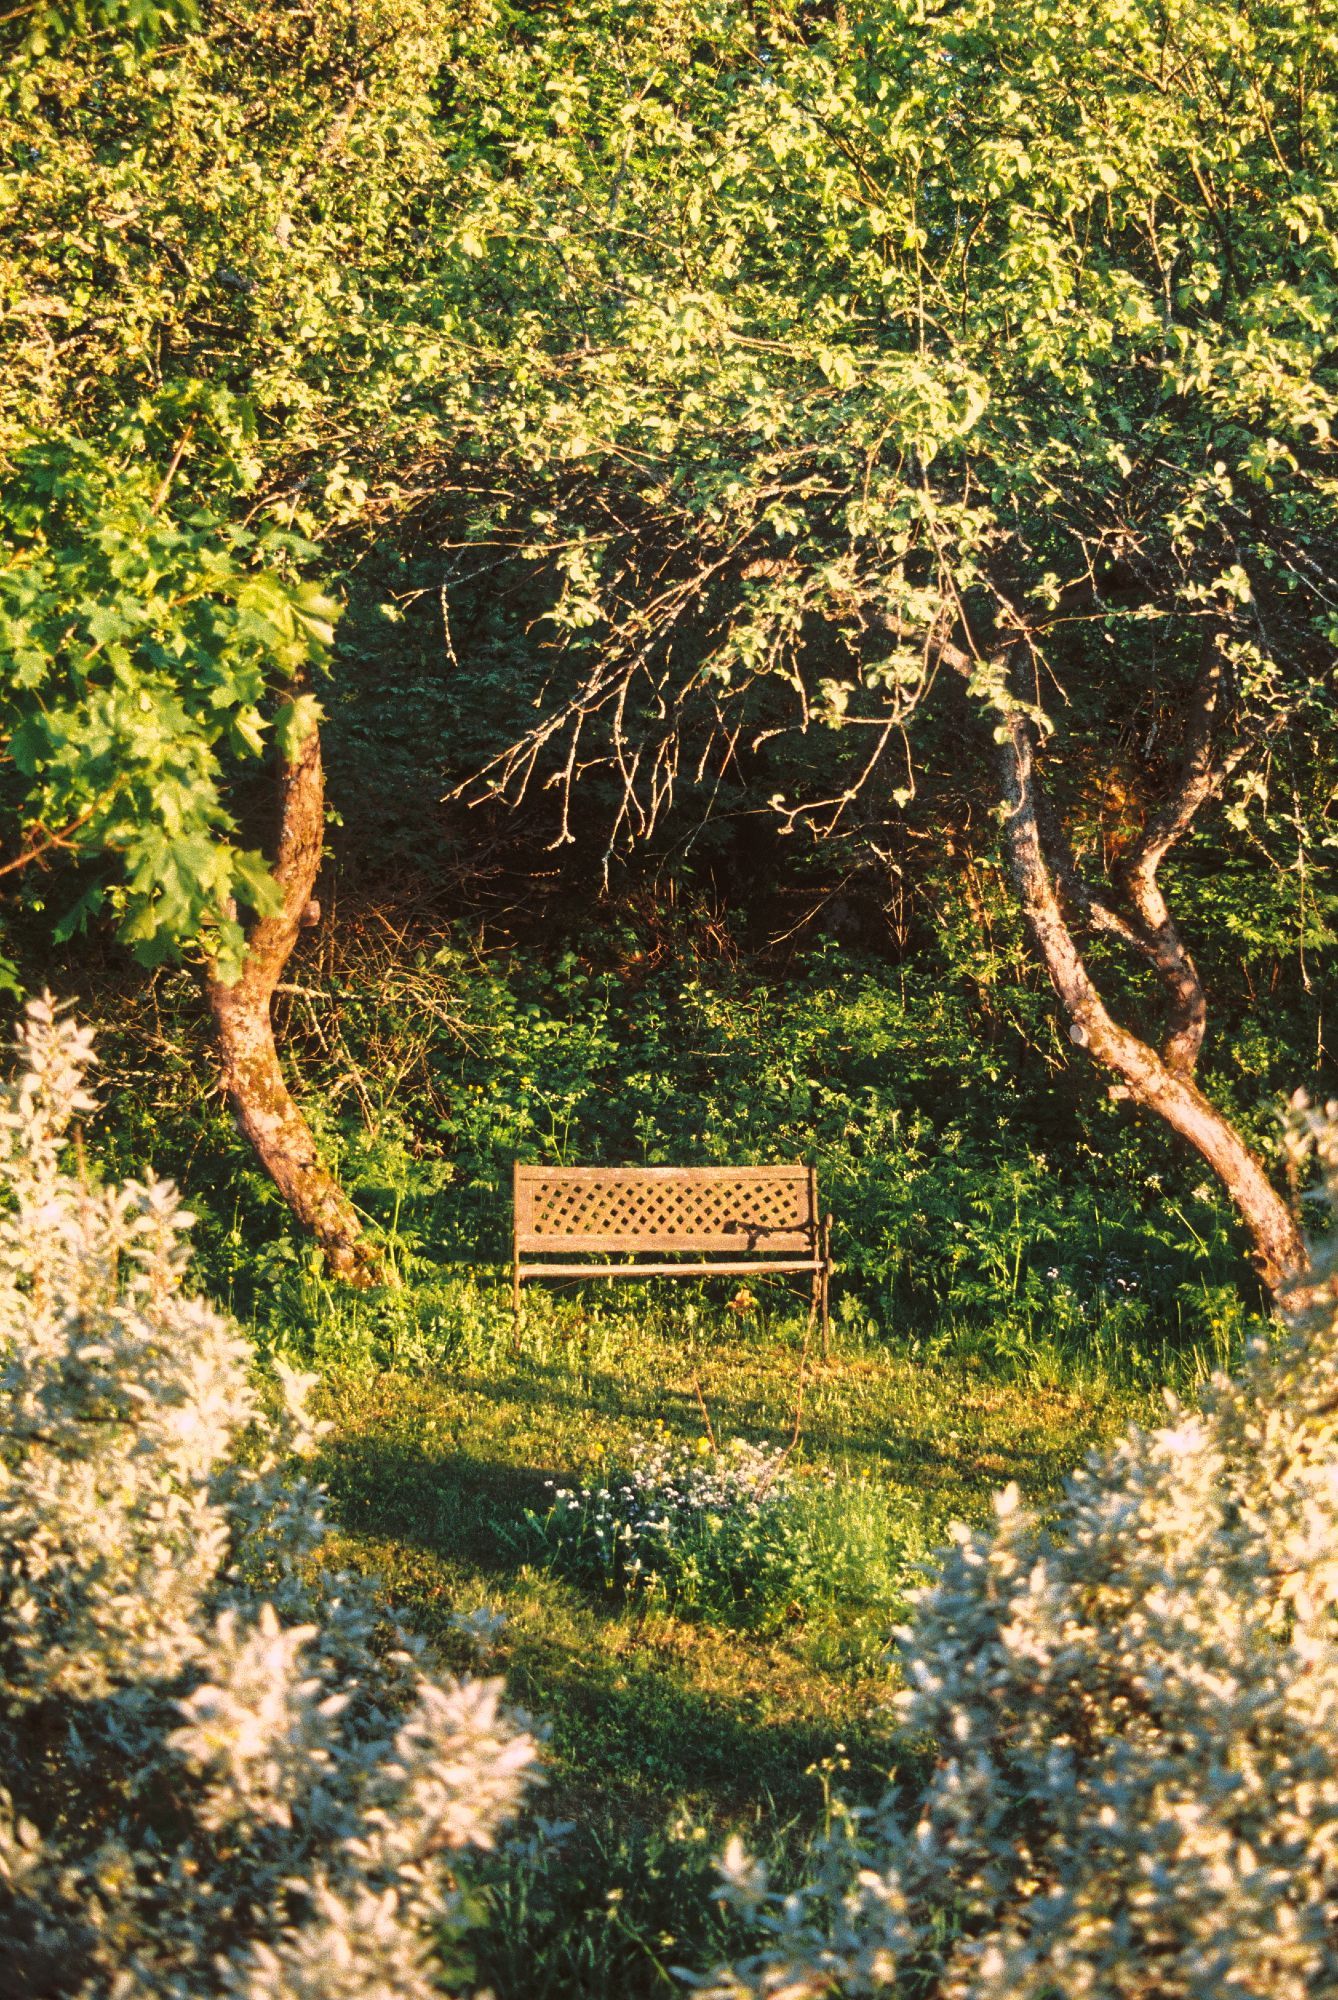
(1021, 1266)
(667, 1731)
(1020, 1269)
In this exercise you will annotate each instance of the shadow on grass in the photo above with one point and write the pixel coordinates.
(642, 1710)
(444, 1502)
(892, 1444)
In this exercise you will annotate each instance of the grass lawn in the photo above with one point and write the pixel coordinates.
(667, 1731)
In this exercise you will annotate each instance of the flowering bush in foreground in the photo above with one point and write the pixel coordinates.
(734, 1533)
(223, 1779)
(1135, 1708)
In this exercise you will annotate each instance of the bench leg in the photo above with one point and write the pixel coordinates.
(826, 1278)
(515, 1304)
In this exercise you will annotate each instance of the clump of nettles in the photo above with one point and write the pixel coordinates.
(734, 1532)
(221, 1778)
(1135, 1709)
(676, 1521)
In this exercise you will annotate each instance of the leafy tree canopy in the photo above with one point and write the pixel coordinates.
(143, 653)
(188, 207)
(792, 341)
(769, 338)
(823, 388)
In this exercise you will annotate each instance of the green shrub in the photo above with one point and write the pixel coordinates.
(735, 1534)
(224, 1774)
(968, 1222)
(1133, 1708)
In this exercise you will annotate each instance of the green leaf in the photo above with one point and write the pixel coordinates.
(79, 913)
(294, 722)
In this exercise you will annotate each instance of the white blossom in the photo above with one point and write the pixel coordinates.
(637, 1526)
(228, 1772)
(1134, 1712)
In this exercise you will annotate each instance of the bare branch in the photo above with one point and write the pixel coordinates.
(53, 842)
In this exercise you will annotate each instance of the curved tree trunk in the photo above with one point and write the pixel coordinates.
(1162, 1082)
(252, 1076)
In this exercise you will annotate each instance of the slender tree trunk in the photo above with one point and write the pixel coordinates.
(1160, 1082)
(252, 1076)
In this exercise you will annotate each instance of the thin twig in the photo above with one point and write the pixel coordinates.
(165, 485)
(706, 1414)
(60, 839)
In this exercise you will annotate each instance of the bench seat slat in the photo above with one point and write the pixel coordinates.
(732, 1268)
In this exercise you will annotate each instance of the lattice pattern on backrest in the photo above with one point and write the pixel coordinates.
(650, 1208)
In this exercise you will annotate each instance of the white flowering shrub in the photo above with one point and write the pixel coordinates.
(224, 1774)
(734, 1532)
(652, 1526)
(1134, 1713)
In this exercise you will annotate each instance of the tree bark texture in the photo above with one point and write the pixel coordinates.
(253, 1078)
(1161, 1081)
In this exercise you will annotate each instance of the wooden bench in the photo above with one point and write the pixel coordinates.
(734, 1220)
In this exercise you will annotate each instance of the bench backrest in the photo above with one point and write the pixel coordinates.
(752, 1209)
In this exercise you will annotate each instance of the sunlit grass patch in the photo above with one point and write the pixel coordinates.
(727, 1714)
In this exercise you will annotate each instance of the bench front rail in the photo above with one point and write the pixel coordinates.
(732, 1220)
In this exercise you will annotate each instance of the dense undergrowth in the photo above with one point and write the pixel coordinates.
(1021, 1269)
(1004, 1299)
(971, 1218)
